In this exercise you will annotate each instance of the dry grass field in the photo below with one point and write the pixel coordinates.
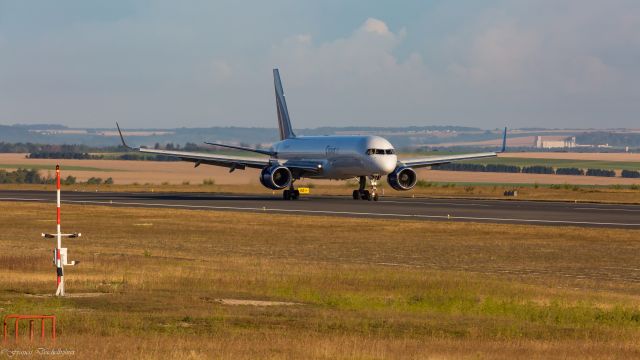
(161, 284)
(182, 177)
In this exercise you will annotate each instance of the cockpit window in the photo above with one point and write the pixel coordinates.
(380, 151)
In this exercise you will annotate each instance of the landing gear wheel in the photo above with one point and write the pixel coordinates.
(363, 194)
(290, 194)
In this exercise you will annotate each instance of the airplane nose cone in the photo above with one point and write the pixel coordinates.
(386, 164)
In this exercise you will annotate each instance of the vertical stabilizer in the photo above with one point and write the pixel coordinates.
(284, 122)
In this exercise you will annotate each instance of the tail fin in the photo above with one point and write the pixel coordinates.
(284, 122)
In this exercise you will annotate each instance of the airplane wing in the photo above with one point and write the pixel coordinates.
(232, 162)
(438, 160)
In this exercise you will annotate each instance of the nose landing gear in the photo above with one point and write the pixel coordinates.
(364, 194)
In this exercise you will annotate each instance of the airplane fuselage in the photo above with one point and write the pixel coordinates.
(342, 157)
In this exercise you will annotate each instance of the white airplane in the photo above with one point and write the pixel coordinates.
(321, 157)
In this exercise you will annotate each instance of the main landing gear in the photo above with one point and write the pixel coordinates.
(362, 193)
(291, 193)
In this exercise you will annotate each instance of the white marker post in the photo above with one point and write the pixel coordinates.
(60, 253)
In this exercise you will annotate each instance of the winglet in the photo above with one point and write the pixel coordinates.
(504, 141)
(122, 137)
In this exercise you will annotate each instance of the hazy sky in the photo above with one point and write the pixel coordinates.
(549, 63)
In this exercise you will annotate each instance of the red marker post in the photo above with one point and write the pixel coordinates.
(60, 253)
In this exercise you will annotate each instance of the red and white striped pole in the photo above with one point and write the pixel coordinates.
(60, 253)
(59, 269)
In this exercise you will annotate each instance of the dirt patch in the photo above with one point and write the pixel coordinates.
(236, 302)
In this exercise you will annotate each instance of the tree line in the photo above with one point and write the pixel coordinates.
(32, 176)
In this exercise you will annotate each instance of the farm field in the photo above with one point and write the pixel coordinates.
(521, 178)
(608, 157)
(156, 283)
(156, 172)
(560, 163)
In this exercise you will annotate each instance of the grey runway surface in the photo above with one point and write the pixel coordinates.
(494, 211)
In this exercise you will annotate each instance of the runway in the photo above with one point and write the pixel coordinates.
(469, 210)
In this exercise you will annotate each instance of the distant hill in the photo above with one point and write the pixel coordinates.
(58, 134)
(436, 136)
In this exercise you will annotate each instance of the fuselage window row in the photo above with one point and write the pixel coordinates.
(380, 151)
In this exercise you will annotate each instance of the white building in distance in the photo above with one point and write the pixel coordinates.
(555, 142)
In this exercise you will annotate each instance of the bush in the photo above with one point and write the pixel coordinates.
(460, 167)
(424, 183)
(501, 168)
(70, 180)
(208, 182)
(569, 171)
(538, 169)
(601, 172)
(94, 181)
(21, 176)
(109, 181)
(61, 155)
(630, 174)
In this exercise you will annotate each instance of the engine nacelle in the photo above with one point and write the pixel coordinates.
(402, 179)
(275, 177)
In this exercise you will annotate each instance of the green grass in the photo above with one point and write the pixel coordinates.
(559, 163)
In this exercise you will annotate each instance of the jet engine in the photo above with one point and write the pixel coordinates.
(275, 177)
(402, 178)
